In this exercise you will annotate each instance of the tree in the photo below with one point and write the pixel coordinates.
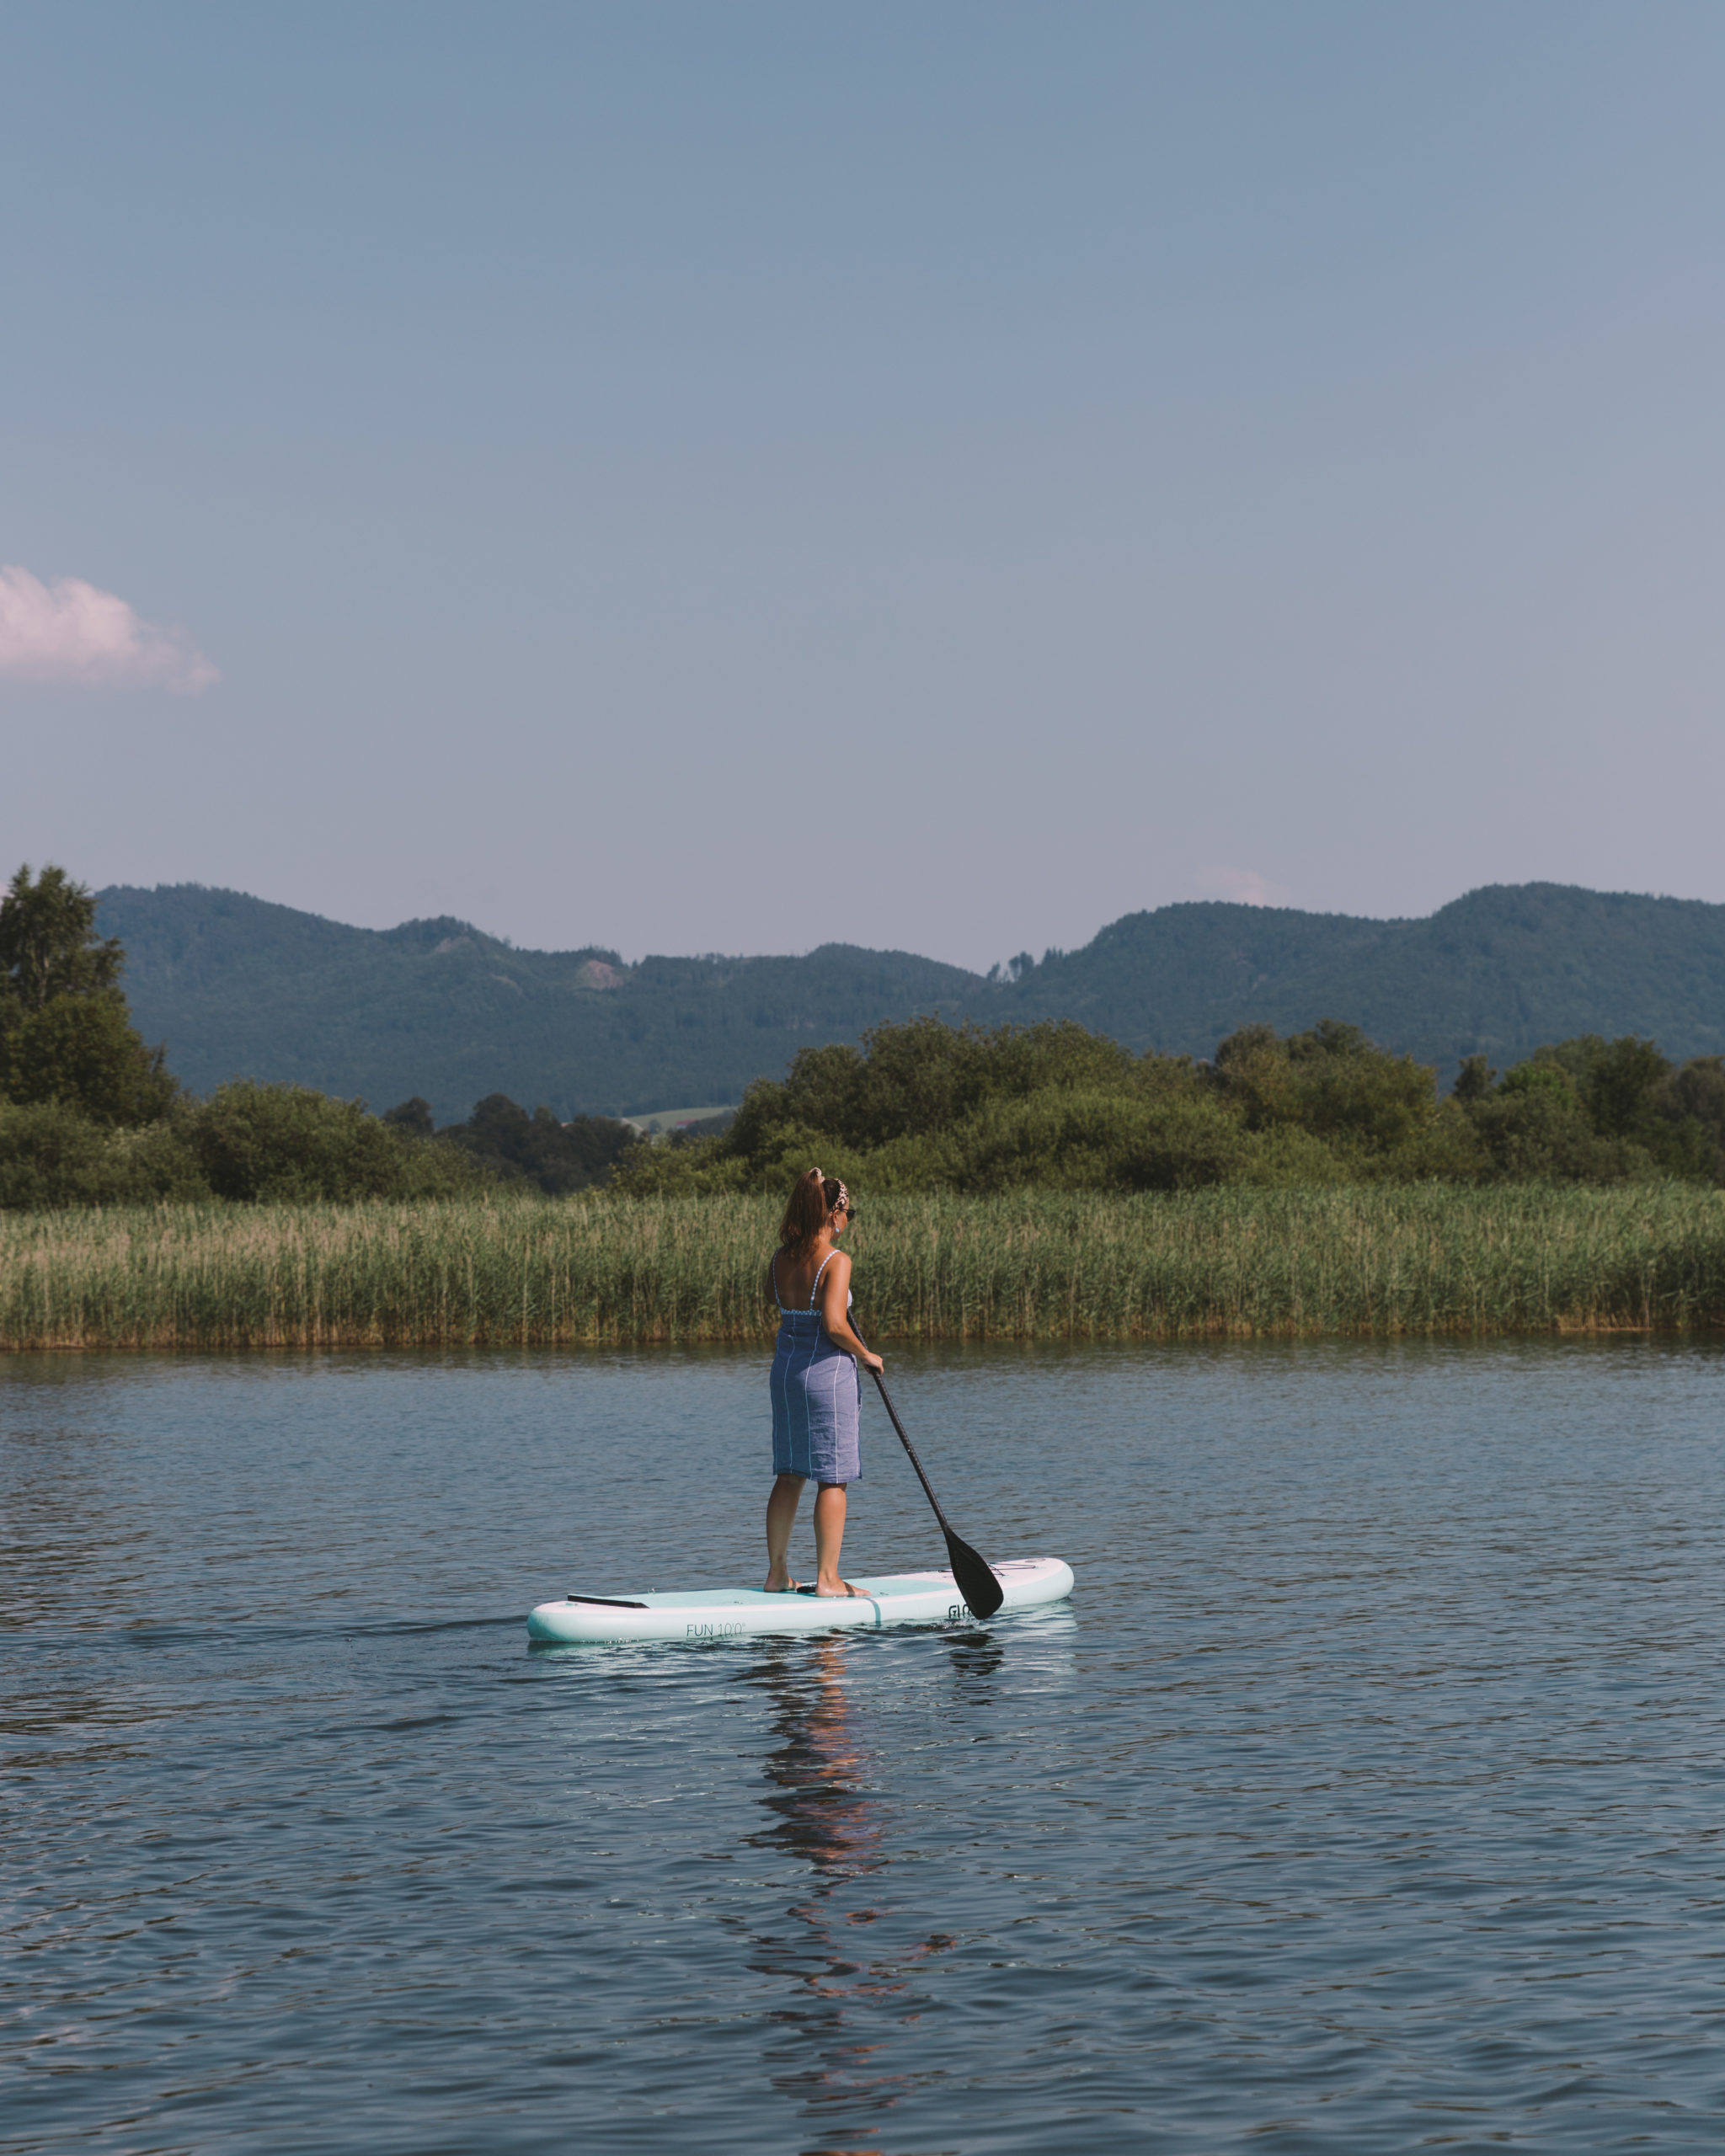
(1331, 1081)
(84, 1051)
(508, 1143)
(1253, 1074)
(49, 946)
(1616, 1079)
(64, 1032)
(1690, 1104)
(289, 1144)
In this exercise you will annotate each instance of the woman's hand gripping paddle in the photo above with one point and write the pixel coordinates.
(975, 1578)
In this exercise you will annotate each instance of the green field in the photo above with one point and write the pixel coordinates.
(662, 1120)
(1225, 1263)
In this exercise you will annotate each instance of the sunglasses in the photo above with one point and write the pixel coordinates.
(849, 1211)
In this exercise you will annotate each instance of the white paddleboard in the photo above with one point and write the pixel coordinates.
(732, 1613)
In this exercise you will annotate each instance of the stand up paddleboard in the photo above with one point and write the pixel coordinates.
(728, 1612)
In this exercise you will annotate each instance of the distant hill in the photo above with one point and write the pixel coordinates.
(1495, 973)
(236, 986)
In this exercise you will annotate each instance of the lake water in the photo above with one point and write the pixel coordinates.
(1368, 1795)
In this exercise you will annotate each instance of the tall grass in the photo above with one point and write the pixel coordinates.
(1226, 1262)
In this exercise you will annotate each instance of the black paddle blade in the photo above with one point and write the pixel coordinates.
(977, 1583)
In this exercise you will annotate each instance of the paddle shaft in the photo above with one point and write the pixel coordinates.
(927, 1487)
(887, 1401)
(974, 1577)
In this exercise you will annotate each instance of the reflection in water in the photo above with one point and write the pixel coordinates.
(821, 1811)
(824, 1813)
(976, 1659)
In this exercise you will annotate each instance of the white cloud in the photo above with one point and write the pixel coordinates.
(1244, 886)
(67, 632)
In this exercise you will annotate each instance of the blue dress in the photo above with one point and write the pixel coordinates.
(817, 1395)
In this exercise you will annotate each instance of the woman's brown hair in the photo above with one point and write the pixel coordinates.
(807, 1210)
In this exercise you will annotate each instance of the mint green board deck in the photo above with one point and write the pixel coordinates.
(731, 1613)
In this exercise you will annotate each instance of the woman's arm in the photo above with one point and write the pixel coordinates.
(834, 1295)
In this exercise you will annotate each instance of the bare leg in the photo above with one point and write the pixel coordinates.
(781, 1518)
(828, 1537)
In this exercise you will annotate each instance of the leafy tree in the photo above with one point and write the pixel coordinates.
(1331, 1081)
(49, 946)
(1614, 1080)
(1690, 1102)
(412, 1116)
(1358, 1096)
(1253, 1074)
(1535, 1126)
(1651, 1114)
(924, 1105)
(701, 1168)
(508, 1143)
(84, 1050)
(64, 1033)
(52, 1157)
(907, 1081)
(265, 1143)
(1070, 1141)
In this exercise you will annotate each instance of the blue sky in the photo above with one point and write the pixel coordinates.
(695, 477)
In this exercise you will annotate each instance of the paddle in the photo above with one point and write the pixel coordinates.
(976, 1580)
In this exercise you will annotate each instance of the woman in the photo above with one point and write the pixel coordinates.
(817, 1394)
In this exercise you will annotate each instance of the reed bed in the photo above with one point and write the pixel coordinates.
(1227, 1263)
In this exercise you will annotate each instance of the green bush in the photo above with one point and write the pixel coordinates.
(1290, 1159)
(247, 1144)
(513, 1146)
(930, 1107)
(703, 1169)
(51, 1156)
(1070, 1140)
(1331, 1082)
(267, 1143)
(159, 1163)
(910, 1080)
(1535, 1126)
(925, 1105)
(85, 1051)
(1442, 1147)
(1689, 1106)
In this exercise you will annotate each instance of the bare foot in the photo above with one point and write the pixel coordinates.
(785, 1586)
(833, 1593)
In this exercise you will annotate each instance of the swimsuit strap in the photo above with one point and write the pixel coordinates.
(815, 1290)
(777, 1304)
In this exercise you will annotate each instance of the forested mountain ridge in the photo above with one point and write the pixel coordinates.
(239, 987)
(1495, 972)
(236, 986)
